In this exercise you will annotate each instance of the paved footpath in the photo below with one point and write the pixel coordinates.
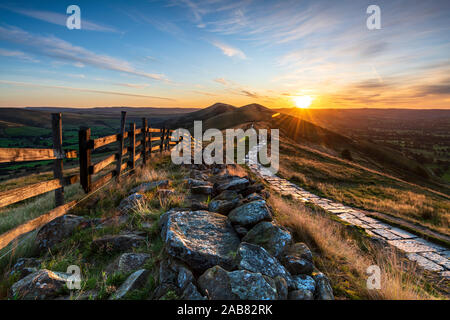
(428, 255)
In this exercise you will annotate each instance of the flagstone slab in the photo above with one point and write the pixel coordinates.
(411, 246)
(402, 233)
(386, 234)
(424, 262)
(437, 258)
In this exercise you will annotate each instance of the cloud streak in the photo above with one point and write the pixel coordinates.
(53, 47)
(27, 84)
(229, 50)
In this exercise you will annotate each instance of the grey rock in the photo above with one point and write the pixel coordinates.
(196, 183)
(282, 287)
(172, 271)
(228, 195)
(235, 183)
(250, 214)
(201, 239)
(301, 295)
(25, 266)
(135, 281)
(323, 287)
(218, 284)
(256, 259)
(128, 262)
(191, 293)
(298, 259)
(58, 230)
(40, 285)
(253, 197)
(206, 189)
(269, 236)
(223, 206)
(120, 242)
(302, 282)
(197, 205)
(150, 186)
(130, 203)
(254, 188)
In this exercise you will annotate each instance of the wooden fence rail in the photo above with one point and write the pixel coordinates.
(140, 146)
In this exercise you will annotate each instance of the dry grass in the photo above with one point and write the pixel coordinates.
(344, 256)
(359, 188)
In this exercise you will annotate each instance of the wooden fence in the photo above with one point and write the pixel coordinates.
(141, 143)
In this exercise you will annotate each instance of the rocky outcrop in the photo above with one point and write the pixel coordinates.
(58, 230)
(223, 206)
(219, 284)
(201, 239)
(250, 214)
(40, 285)
(24, 267)
(298, 259)
(323, 287)
(235, 183)
(131, 202)
(128, 262)
(269, 236)
(135, 281)
(150, 186)
(118, 243)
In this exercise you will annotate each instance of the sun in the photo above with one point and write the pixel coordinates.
(303, 101)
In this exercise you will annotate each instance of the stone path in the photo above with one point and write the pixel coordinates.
(427, 255)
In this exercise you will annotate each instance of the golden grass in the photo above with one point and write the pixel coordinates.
(356, 187)
(344, 256)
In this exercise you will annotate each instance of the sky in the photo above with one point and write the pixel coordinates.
(193, 53)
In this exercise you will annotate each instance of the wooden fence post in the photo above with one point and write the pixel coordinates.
(167, 139)
(150, 140)
(132, 136)
(144, 141)
(162, 139)
(58, 163)
(121, 143)
(84, 135)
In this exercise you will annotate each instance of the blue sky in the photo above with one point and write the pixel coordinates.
(187, 53)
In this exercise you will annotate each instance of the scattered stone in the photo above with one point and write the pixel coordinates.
(256, 259)
(236, 183)
(197, 205)
(25, 266)
(120, 242)
(206, 189)
(223, 206)
(302, 282)
(323, 287)
(229, 195)
(282, 287)
(201, 239)
(298, 259)
(250, 214)
(150, 186)
(128, 262)
(175, 272)
(269, 236)
(131, 202)
(254, 197)
(218, 284)
(135, 281)
(40, 285)
(196, 183)
(58, 230)
(301, 295)
(191, 293)
(254, 188)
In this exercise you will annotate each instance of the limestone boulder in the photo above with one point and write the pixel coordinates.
(269, 236)
(201, 239)
(250, 214)
(219, 284)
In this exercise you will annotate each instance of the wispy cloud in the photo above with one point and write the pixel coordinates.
(60, 49)
(17, 54)
(229, 50)
(60, 19)
(133, 85)
(27, 84)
